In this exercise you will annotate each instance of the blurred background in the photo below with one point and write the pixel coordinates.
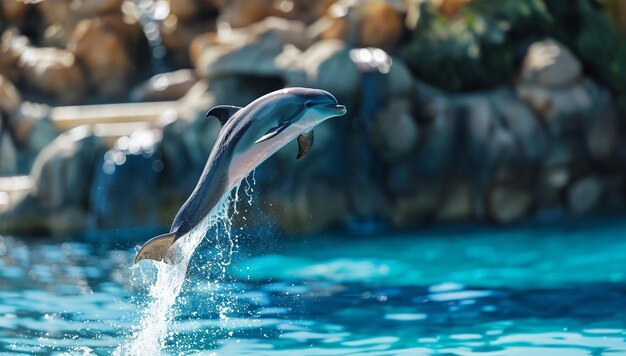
(459, 111)
(472, 200)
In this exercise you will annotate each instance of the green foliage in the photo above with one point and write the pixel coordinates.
(482, 47)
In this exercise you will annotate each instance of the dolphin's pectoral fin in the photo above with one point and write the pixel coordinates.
(157, 248)
(223, 112)
(305, 142)
(274, 131)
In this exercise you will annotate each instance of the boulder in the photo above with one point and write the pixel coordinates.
(10, 98)
(315, 205)
(260, 50)
(561, 108)
(59, 20)
(8, 153)
(549, 63)
(165, 86)
(327, 60)
(380, 25)
(242, 13)
(11, 47)
(103, 51)
(13, 11)
(456, 202)
(124, 192)
(32, 127)
(507, 203)
(53, 72)
(177, 36)
(602, 128)
(394, 130)
(409, 209)
(372, 23)
(90, 8)
(522, 123)
(584, 195)
(63, 170)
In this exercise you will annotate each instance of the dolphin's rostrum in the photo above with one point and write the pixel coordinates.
(248, 137)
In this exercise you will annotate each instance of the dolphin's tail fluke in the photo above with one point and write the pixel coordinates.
(157, 248)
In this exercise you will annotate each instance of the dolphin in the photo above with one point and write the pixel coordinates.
(247, 138)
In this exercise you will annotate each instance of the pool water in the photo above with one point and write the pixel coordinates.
(551, 290)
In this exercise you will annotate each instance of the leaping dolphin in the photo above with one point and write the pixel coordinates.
(248, 137)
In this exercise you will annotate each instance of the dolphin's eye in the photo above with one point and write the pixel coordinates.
(308, 104)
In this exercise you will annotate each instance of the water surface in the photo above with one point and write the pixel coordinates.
(557, 290)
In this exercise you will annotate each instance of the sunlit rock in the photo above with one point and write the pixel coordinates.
(53, 72)
(549, 63)
(88, 8)
(101, 45)
(165, 86)
(177, 35)
(372, 23)
(11, 47)
(10, 98)
(325, 61)
(32, 128)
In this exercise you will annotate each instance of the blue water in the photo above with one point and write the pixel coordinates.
(558, 290)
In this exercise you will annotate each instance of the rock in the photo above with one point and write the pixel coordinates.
(409, 209)
(584, 195)
(59, 21)
(489, 143)
(394, 130)
(13, 11)
(314, 205)
(184, 9)
(522, 123)
(53, 72)
(242, 13)
(450, 8)
(560, 108)
(63, 170)
(507, 203)
(11, 47)
(165, 86)
(90, 8)
(32, 127)
(399, 81)
(439, 141)
(104, 54)
(380, 25)
(259, 50)
(8, 153)
(10, 98)
(177, 36)
(327, 60)
(549, 63)
(372, 23)
(602, 132)
(124, 190)
(456, 202)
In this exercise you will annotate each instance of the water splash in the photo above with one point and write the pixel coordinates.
(151, 335)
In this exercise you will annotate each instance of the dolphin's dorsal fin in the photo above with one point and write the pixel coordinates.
(223, 112)
(305, 142)
(274, 131)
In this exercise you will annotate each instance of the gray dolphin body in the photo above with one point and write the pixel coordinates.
(248, 137)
